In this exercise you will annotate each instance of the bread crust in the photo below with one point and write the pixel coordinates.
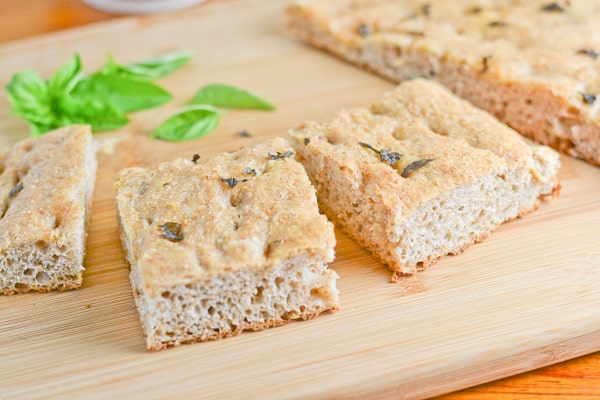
(478, 174)
(535, 70)
(46, 189)
(252, 251)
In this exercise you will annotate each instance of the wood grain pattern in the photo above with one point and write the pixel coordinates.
(524, 298)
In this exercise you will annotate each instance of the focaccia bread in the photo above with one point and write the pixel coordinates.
(46, 186)
(532, 64)
(422, 173)
(231, 243)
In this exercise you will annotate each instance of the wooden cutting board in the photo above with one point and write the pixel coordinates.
(526, 297)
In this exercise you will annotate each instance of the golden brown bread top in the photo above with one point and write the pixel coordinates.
(43, 189)
(247, 209)
(546, 43)
(339, 139)
(442, 112)
(419, 119)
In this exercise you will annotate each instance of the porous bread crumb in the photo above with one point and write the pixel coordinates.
(534, 68)
(46, 186)
(251, 252)
(482, 173)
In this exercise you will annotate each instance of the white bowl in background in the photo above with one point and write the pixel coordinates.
(141, 6)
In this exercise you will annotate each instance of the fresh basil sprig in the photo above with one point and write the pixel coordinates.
(221, 95)
(100, 99)
(190, 123)
(52, 104)
(153, 68)
(29, 95)
(125, 93)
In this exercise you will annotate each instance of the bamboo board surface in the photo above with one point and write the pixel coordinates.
(526, 297)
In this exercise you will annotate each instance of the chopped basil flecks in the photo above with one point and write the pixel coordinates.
(249, 171)
(497, 24)
(485, 62)
(172, 231)
(195, 158)
(243, 133)
(15, 191)
(588, 98)
(386, 155)
(413, 33)
(279, 155)
(554, 7)
(414, 166)
(363, 30)
(232, 182)
(306, 141)
(589, 52)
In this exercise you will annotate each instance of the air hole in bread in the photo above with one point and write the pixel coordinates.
(23, 171)
(3, 209)
(27, 147)
(149, 220)
(166, 294)
(268, 249)
(56, 222)
(258, 297)
(211, 311)
(28, 272)
(21, 286)
(287, 316)
(332, 139)
(41, 246)
(235, 201)
(278, 281)
(42, 277)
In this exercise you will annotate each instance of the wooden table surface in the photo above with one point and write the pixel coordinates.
(572, 379)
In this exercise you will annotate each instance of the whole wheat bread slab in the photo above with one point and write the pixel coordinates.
(46, 186)
(225, 244)
(422, 173)
(533, 64)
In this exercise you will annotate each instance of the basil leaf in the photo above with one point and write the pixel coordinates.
(29, 96)
(65, 79)
(126, 93)
(188, 124)
(111, 67)
(228, 96)
(152, 68)
(100, 113)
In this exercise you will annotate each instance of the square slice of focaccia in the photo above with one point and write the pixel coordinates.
(225, 244)
(46, 186)
(422, 173)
